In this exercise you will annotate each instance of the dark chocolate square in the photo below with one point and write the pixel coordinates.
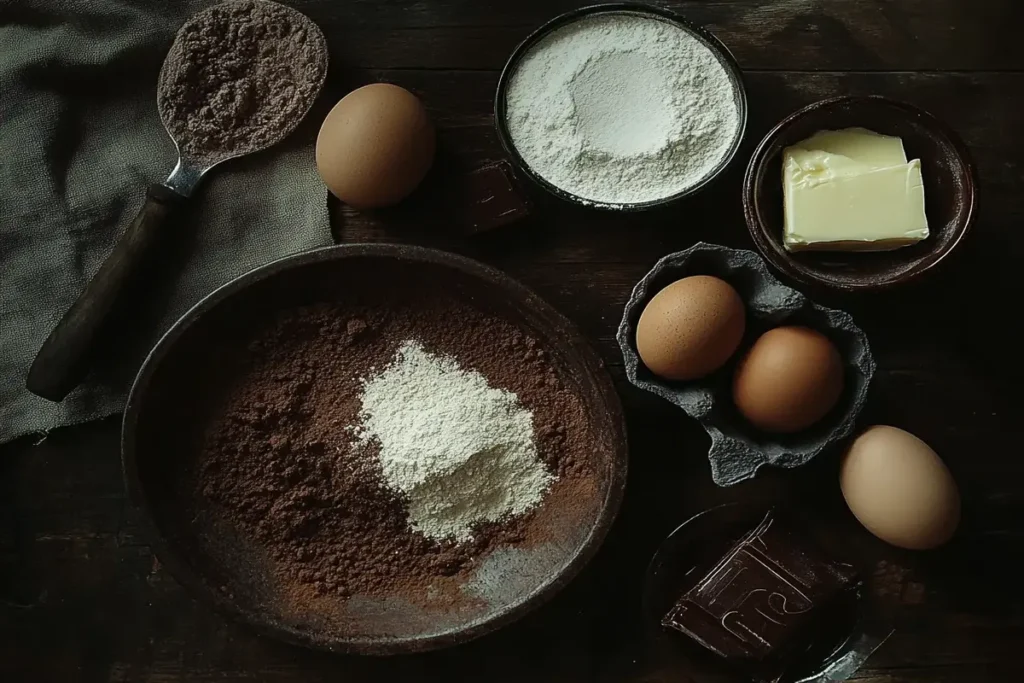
(491, 197)
(762, 597)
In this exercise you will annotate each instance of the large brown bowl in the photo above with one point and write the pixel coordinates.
(949, 183)
(223, 568)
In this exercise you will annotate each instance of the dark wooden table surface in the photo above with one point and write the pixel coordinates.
(82, 597)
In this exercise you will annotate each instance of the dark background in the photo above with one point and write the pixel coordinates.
(82, 597)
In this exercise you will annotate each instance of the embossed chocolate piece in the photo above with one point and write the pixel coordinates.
(762, 600)
(490, 198)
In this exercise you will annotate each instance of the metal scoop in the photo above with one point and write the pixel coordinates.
(67, 353)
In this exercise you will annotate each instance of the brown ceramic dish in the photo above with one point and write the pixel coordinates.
(950, 193)
(221, 567)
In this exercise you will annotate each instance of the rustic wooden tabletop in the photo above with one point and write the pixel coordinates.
(82, 597)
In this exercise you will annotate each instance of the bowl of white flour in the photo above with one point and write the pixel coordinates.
(621, 106)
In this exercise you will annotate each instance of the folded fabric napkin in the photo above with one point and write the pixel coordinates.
(80, 139)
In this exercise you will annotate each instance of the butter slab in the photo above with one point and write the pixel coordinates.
(852, 190)
(878, 210)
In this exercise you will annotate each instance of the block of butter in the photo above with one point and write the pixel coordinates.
(851, 190)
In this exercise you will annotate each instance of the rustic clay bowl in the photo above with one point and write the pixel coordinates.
(950, 183)
(223, 568)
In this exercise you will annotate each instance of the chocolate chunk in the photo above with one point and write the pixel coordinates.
(490, 198)
(762, 600)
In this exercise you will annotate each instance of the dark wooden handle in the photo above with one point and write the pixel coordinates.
(67, 353)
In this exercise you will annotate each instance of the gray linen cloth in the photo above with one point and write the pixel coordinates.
(80, 139)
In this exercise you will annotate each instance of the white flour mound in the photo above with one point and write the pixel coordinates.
(460, 450)
(622, 109)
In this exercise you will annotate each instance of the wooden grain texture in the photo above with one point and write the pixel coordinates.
(83, 599)
(764, 34)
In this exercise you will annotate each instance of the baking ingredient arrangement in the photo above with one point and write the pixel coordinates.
(386, 441)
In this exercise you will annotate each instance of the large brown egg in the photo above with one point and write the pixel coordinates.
(375, 146)
(791, 378)
(690, 328)
(900, 489)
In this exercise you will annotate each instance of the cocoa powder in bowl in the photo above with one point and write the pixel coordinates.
(266, 490)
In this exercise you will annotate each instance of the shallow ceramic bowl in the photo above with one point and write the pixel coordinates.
(221, 566)
(717, 48)
(738, 450)
(949, 183)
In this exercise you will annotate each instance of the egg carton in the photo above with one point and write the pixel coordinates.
(738, 449)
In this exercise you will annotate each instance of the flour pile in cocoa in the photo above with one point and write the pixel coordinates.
(279, 460)
(460, 451)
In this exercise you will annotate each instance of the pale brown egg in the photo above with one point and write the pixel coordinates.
(900, 489)
(690, 328)
(375, 146)
(791, 378)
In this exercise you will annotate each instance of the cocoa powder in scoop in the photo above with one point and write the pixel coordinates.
(280, 462)
(240, 76)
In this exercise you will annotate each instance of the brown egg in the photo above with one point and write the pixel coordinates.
(900, 489)
(690, 328)
(375, 146)
(790, 378)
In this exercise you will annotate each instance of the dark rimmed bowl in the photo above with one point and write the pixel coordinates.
(716, 46)
(950, 184)
(221, 568)
(693, 548)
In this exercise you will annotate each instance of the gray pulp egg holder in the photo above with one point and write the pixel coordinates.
(738, 449)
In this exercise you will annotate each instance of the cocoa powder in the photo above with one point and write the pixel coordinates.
(278, 459)
(239, 77)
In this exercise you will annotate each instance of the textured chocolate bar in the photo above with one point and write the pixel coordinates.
(491, 197)
(761, 600)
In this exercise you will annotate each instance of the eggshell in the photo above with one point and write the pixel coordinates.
(375, 146)
(900, 489)
(690, 328)
(791, 378)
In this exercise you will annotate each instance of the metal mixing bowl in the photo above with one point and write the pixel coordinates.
(223, 568)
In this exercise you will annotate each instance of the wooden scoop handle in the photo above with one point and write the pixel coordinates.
(67, 354)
